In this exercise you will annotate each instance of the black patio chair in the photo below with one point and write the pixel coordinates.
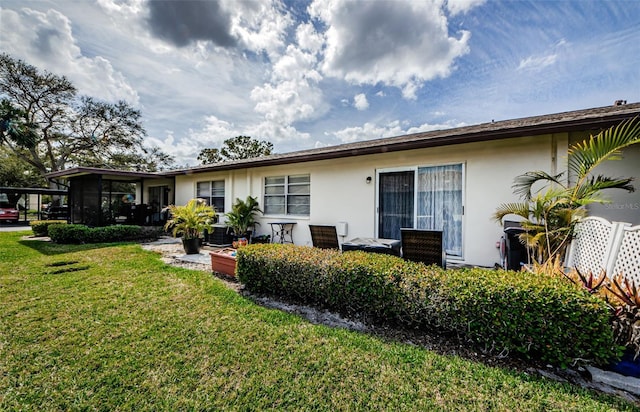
(324, 237)
(420, 245)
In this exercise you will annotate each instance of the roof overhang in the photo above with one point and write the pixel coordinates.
(108, 174)
(33, 191)
(592, 120)
(589, 120)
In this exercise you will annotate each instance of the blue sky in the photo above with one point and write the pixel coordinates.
(306, 74)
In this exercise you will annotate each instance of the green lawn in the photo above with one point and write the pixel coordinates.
(110, 327)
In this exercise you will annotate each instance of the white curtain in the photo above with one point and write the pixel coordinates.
(440, 204)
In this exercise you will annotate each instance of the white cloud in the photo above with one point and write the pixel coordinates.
(369, 131)
(462, 6)
(398, 43)
(285, 137)
(125, 8)
(45, 40)
(537, 62)
(213, 134)
(260, 25)
(308, 38)
(360, 102)
(292, 94)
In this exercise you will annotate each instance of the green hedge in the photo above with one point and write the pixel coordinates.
(41, 227)
(541, 318)
(84, 234)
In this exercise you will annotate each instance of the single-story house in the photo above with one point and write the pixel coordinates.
(447, 179)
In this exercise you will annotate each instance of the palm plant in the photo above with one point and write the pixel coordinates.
(191, 220)
(550, 214)
(243, 216)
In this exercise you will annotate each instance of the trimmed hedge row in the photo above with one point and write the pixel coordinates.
(539, 317)
(41, 227)
(83, 234)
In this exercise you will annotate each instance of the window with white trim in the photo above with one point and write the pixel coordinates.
(212, 193)
(287, 195)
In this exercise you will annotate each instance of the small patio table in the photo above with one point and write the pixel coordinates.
(281, 232)
(373, 245)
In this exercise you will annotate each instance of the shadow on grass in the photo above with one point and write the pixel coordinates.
(50, 249)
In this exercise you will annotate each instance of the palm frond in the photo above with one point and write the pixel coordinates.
(587, 192)
(518, 209)
(523, 184)
(584, 157)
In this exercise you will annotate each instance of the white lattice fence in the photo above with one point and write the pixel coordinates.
(600, 245)
(591, 245)
(627, 260)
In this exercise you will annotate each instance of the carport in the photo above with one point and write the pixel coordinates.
(14, 194)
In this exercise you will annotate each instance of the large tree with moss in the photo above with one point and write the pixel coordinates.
(239, 147)
(47, 124)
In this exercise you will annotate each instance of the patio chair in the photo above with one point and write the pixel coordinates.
(419, 245)
(324, 237)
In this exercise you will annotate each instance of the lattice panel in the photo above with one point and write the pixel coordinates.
(628, 260)
(591, 246)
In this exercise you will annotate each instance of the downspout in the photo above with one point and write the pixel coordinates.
(554, 154)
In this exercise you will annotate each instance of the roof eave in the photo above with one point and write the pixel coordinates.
(429, 139)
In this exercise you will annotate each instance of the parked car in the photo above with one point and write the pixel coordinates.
(56, 213)
(8, 212)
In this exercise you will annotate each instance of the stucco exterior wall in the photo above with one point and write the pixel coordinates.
(624, 206)
(340, 193)
(155, 183)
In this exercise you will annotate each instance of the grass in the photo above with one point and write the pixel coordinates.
(113, 328)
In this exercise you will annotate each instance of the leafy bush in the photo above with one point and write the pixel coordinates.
(64, 233)
(41, 227)
(84, 234)
(537, 316)
(626, 324)
(621, 294)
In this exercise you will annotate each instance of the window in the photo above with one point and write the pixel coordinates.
(212, 193)
(287, 195)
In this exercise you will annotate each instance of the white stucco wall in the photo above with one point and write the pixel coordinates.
(623, 206)
(155, 183)
(339, 191)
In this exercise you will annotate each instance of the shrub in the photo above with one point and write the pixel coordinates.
(41, 227)
(117, 233)
(536, 316)
(63, 233)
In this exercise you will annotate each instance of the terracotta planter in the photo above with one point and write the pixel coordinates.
(191, 246)
(224, 261)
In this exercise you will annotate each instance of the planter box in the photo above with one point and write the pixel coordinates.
(224, 261)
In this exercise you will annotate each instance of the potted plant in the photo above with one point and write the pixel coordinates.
(242, 217)
(190, 221)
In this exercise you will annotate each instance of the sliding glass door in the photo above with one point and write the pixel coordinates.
(429, 197)
(439, 204)
(395, 203)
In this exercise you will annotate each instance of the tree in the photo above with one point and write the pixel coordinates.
(14, 172)
(46, 124)
(550, 215)
(210, 156)
(239, 147)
